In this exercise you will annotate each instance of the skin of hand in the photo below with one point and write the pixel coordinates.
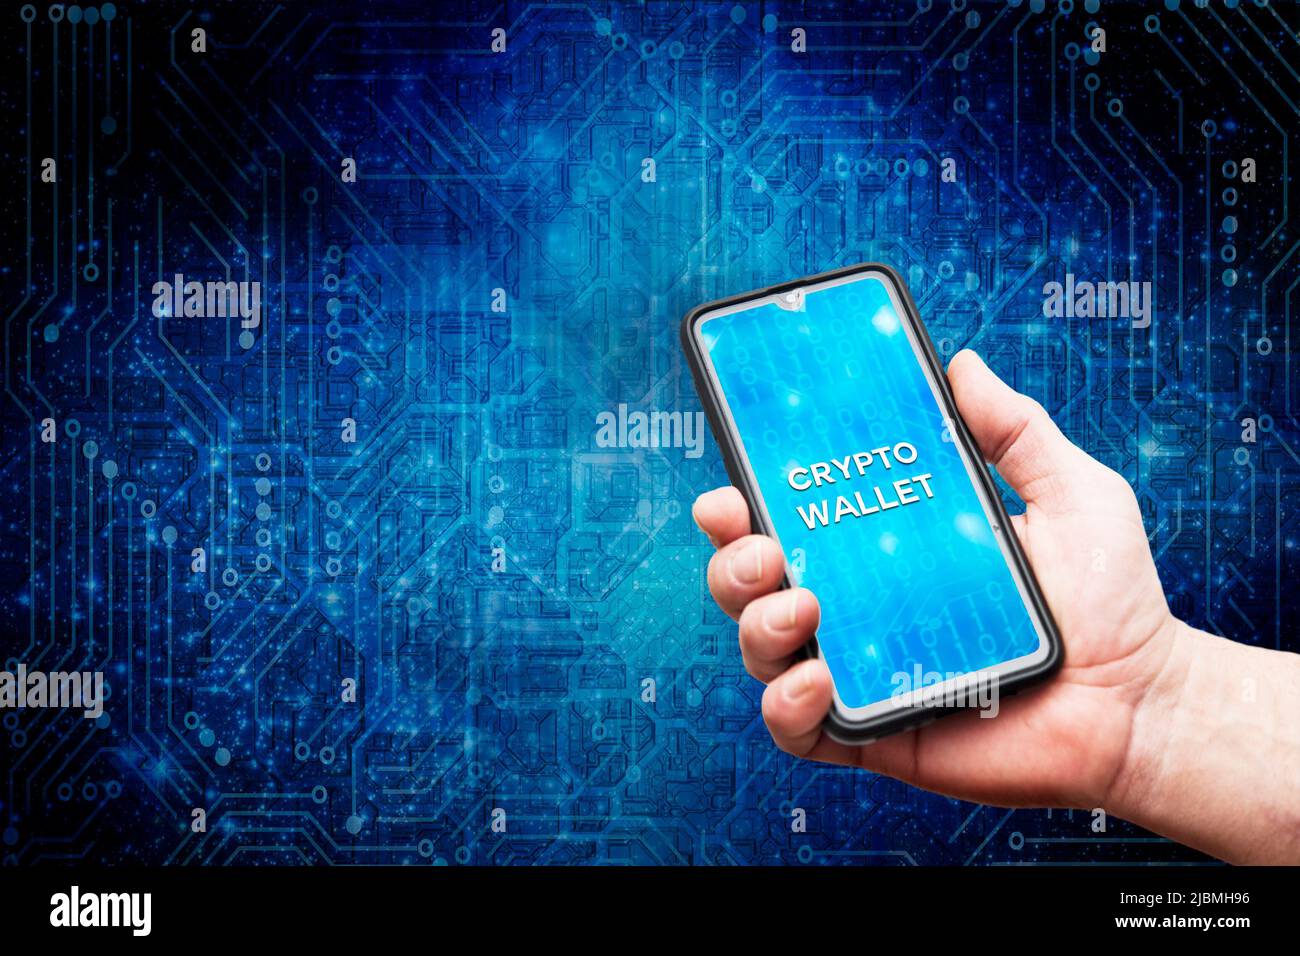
(1146, 717)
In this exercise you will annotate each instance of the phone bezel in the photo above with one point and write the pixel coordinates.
(843, 723)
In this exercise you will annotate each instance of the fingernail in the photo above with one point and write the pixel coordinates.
(747, 565)
(798, 684)
(782, 613)
(696, 518)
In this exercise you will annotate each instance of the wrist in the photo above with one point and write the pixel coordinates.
(1213, 759)
(1158, 707)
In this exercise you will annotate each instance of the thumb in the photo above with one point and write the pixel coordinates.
(1016, 435)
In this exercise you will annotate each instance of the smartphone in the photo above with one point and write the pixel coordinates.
(836, 422)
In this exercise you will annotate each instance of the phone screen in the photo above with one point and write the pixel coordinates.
(858, 474)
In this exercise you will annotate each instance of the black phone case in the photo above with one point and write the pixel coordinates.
(837, 724)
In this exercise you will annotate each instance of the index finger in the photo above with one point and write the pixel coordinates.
(722, 515)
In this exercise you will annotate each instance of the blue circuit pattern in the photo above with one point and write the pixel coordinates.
(433, 618)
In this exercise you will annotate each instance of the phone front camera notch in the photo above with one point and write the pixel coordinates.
(791, 301)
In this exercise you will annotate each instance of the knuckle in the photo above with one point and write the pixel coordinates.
(1034, 409)
(1117, 484)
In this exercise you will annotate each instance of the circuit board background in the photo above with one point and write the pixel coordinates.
(498, 585)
